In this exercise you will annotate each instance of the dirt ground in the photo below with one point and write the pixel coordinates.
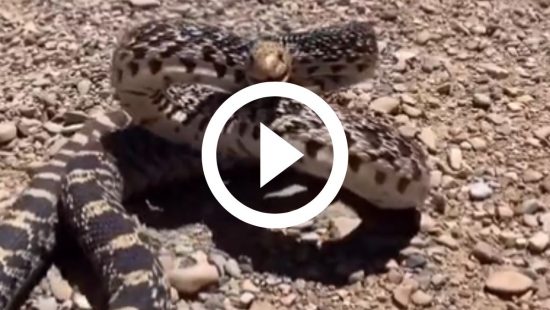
(469, 79)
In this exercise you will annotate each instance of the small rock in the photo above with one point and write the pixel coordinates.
(478, 143)
(8, 132)
(427, 223)
(81, 301)
(45, 303)
(395, 276)
(288, 299)
(428, 137)
(480, 191)
(539, 242)
(145, 3)
(531, 206)
(248, 286)
(508, 282)
(544, 220)
(262, 305)
(415, 261)
(485, 253)
(455, 158)
(232, 268)
(411, 111)
(385, 105)
(482, 100)
(192, 279)
(60, 288)
(420, 298)
(531, 176)
(505, 212)
(542, 133)
(246, 298)
(423, 37)
(345, 225)
(448, 241)
(438, 280)
(402, 295)
(84, 86)
(495, 71)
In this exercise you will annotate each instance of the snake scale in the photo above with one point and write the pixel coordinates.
(170, 76)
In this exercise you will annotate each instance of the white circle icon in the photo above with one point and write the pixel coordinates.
(210, 163)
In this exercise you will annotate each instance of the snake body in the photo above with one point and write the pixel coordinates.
(170, 76)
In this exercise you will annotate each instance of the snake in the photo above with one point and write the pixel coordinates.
(170, 76)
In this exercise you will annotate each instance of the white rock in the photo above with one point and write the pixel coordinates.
(45, 303)
(81, 301)
(60, 288)
(480, 191)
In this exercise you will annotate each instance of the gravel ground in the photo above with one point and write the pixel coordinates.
(468, 78)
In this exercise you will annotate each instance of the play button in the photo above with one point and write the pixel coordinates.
(275, 155)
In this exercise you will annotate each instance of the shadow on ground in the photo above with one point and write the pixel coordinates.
(368, 248)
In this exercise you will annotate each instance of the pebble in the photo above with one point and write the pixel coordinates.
(438, 280)
(539, 242)
(345, 225)
(455, 158)
(480, 191)
(415, 261)
(531, 206)
(531, 176)
(505, 212)
(385, 105)
(262, 305)
(45, 303)
(508, 282)
(81, 301)
(423, 37)
(448, 241)
(495, 71)
(428, 137)
(411, 111)
(485, 253)
(482, 100)
(478, 143)
(232, 268)
(246, 298)
(402, 295)
(542, 133)
(421, 298)
(84, 86)
(427, 223)
(145, 3)
(61, 289)
(8, 132)
(192, 279)
(248, 286)
(544, 220)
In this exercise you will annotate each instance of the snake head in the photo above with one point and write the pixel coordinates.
(269, 61)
